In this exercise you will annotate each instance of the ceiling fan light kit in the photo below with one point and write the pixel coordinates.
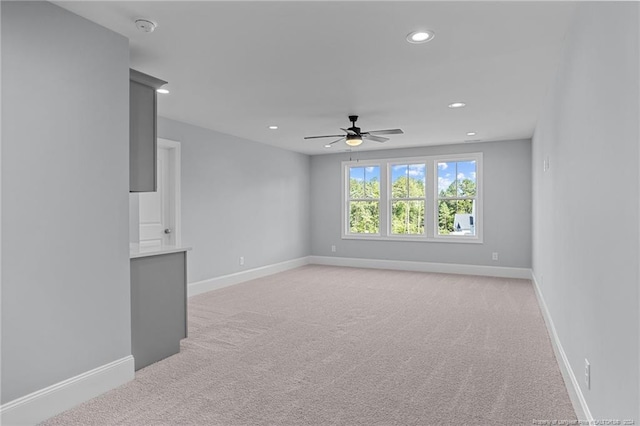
(353, 140)
(354, 136)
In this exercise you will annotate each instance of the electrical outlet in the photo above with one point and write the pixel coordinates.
(494, 255)
(587, 373)
(333, 249)
(241, 261)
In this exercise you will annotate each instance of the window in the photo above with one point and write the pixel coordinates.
(436, 198)
(408, 199)
(364, 200)
(457, 194)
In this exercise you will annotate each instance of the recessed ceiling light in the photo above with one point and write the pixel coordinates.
(163, 91)
(417, 37)
(471, 133)
(327, 146)
(273, 127)
(457, 105)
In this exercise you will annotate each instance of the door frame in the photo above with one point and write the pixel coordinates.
(174, 157)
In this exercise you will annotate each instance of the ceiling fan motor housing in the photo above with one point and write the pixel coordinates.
(354, 138)
(353, 119)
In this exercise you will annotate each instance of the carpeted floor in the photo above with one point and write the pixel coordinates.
(323, 345)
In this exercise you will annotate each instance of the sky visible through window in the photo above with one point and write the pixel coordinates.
(449, 171)
(364, 176)
(416, 171)
(362, 173)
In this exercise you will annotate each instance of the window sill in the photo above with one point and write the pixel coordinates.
(409, 238)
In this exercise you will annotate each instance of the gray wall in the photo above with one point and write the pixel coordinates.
(65, 178)
(585, 216)
(134, 217)
(239, 198)
(507, 209)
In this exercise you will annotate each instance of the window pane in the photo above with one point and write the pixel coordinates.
(364, 182)
(364, 217)
(399, 217)
(408, 180)
(466, 176)
(447, 179)
(407, 217)
(356, 182)
(399, 181)
(416, 180)
(372, 182)
(456, 217)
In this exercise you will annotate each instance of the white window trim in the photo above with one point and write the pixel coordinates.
(389, 200)
(431, 202)
(345, 199)
(479, 219)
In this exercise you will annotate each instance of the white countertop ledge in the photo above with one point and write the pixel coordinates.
(136, 251)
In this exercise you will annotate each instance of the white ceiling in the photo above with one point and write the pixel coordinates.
(238, 67)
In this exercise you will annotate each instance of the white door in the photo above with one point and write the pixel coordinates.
(159, 211)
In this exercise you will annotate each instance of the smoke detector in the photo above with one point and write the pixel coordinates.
(145, 25)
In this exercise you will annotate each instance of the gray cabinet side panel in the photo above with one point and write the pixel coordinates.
(157, 307)
(142, 138)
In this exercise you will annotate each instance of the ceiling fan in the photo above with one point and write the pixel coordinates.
(354, 136)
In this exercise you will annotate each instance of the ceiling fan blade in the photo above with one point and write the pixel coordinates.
(387, 132)
(331, 143)
(374, 138)
(327, 136)
(348, 131)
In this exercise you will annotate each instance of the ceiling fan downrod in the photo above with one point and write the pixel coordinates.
(353, 119)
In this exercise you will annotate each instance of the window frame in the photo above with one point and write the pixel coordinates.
(431, 199)
(346, 199)
(478, 219)
(390, 199)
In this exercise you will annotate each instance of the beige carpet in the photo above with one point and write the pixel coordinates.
(324, 345)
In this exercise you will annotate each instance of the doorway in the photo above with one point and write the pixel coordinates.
(159, 212)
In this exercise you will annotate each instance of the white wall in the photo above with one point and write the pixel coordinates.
(507, 209)
(585, 215)
(65, 258)
(239, 198)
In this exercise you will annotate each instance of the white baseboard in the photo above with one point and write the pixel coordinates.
(573, 388)
(204, 286)
(403, 265)
(44, 403)
(216, 283)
